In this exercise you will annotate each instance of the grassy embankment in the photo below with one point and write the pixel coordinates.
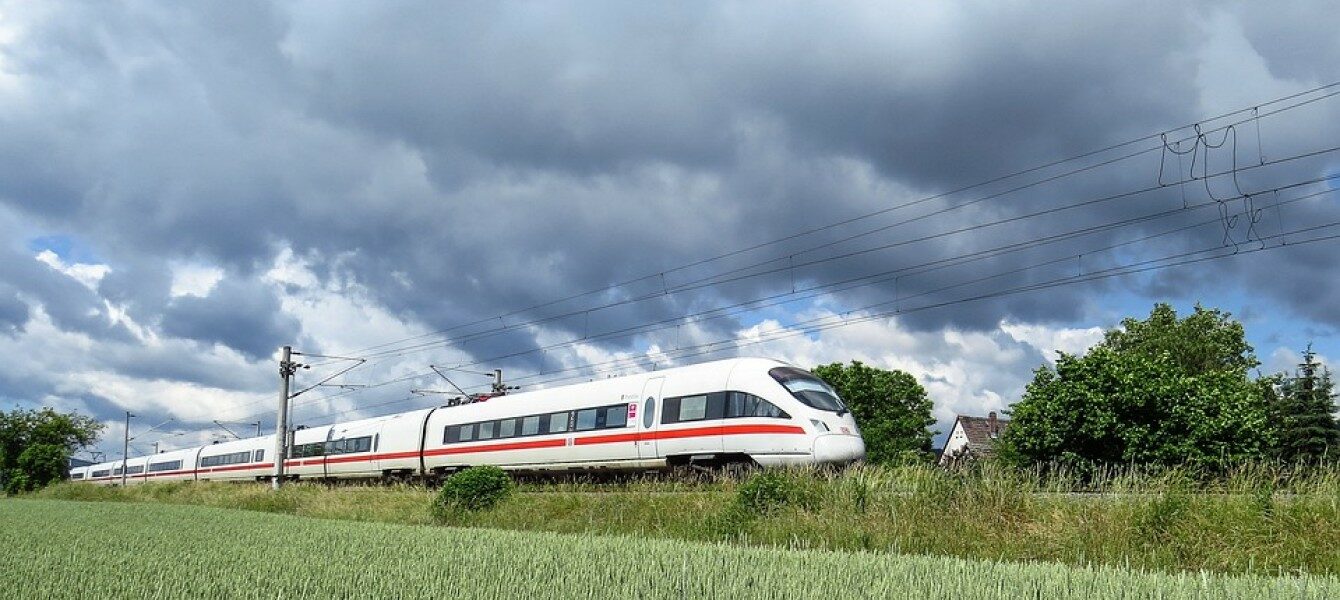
(80, 550)
(1258, 521)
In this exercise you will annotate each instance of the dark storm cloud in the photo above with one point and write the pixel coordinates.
(498, 156)
(13, 311)
(243, 317)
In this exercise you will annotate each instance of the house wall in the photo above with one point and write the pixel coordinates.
(957, 441)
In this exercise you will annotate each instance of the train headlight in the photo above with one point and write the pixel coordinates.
(820, 425)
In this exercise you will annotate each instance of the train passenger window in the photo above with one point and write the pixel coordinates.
(741, 404)
(693, 408)
(171, 465)
(364, 444)
(586, 419)
(467, 432)
(507, 428)
(558, 422)
(135, 470)
(530, 425)
(615, 416)
(452, 434)
(486, 430)
(102, 473)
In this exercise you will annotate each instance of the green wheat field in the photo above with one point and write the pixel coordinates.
(66, 549)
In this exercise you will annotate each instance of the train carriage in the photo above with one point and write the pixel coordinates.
(237, 460)
(174, 465)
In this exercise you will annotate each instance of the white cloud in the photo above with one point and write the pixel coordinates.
(86, 274)
(190, 279)
(1050, 340)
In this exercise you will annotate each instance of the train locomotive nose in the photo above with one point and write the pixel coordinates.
(838, 448)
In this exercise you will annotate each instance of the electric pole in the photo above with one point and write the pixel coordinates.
(286, 369)
(125, 450)
(155, 447)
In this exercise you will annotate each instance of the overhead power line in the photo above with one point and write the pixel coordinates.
(1162, 135)
(739, 275)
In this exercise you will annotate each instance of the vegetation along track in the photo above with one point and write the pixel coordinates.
(69, 549)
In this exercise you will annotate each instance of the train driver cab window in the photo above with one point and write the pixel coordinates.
(812, 391)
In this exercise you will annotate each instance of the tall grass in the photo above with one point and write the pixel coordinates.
(80, 550)
(1258, 519)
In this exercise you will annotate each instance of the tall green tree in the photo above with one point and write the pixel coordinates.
(891, 408)
(1162, 390)
(36, 445)
(1304, 414)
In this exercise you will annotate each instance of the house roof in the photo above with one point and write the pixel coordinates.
(981, 431)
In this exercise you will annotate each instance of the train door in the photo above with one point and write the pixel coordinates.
(649, 417)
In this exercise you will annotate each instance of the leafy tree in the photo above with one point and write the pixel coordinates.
(891, 408)
(1304, 409)
(35, 445)
(1207, 340)
(1163, 391)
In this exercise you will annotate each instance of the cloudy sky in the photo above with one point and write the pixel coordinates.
(577, 190)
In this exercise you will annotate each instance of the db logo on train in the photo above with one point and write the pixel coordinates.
(632, 411)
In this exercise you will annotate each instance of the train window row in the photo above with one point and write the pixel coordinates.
(307, 450)
(219, 460)
(76, 475)
(102, 473)
(349, 445)
(133, 470)
(171, 465)
(614, 416)
(340, 446)
(719, 405)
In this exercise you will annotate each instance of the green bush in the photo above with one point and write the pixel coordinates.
(475, 488)
(768, 491)
(17, 482)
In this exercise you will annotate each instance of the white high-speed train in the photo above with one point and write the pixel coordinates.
(736, 411)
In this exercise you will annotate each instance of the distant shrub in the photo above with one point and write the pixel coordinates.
(475, 488)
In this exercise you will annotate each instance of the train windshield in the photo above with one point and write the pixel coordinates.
(809, 389)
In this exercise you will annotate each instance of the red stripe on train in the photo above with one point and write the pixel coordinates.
(665, 434)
